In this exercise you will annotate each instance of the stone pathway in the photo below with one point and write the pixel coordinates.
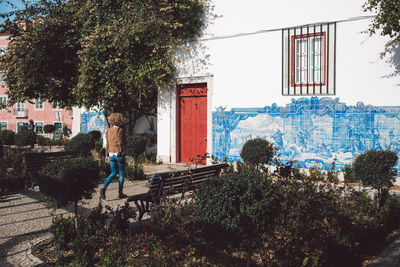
(25, 219)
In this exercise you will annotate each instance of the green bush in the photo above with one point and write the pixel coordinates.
(340, 226)
(70, 180)
(136, 146)
(180, 219)
(390, 213)
(257, 152)
(12, 169)
(98, 145)
(95, 134)
(348, 174)
(134, 172)
(41, 140)
(81, 143)
(375, 168)
(48, 128)
(25, 137)
(151, 157)
(45, 141)
(7, 137)
(11, 181)
(63, 231)
(242, 206)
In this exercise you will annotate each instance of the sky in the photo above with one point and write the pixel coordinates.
(7, 6)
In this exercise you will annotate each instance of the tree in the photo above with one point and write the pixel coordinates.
(376, 168)
(258, 152)
(42, 56)
(112, 55)
(387, 18)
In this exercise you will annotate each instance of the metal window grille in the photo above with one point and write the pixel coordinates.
(308, 60)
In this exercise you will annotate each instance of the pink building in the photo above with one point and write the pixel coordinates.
(42, 113)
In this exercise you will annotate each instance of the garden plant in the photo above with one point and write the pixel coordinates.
(258, 152)
(69, 181)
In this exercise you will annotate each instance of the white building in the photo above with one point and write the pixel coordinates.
(304, 75)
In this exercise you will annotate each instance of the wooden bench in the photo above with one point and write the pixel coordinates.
(34, 162)
(170, 183)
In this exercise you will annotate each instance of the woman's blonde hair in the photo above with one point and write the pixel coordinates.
(116, 119)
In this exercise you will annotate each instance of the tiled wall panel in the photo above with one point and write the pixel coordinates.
(91, 121)
(309, 130)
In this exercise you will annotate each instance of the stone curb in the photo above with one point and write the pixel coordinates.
(34, 260)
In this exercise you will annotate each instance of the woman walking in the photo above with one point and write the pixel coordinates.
(115, 153)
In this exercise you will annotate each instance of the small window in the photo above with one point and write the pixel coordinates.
(38, 103)
(3, 125)
(21, 125)
(58, 126)
(39, 127)
(20, 106)
(56, 105)
(309, 54)
(3, 101)
(3, 49)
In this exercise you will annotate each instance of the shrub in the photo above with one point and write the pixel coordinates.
(42, 141)
(151, 158)
(7, 137)
(134, 172)
(12, 169)
(95, 135)
(48, 128)
(176, 218)
(69, 180)
(340, 226)
(242, 206)
(25, 137)
(135, 146)
(10, 180)
(390, 213)
(98, 145)
(81, 143)
(257, 152)
(375, 168)
(348, 174)
(63, 231)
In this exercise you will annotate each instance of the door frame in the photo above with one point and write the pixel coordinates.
(174, 137)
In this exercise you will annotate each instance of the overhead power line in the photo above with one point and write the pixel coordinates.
(279, 29)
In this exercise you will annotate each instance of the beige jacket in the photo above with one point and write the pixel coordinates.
(116, 140)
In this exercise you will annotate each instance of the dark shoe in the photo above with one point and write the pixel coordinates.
(103, 193)
(122, 195)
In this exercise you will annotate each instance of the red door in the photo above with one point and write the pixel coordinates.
(193, 121)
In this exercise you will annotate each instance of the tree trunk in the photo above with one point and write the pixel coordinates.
(76, 214)
(248, 260)
(132, 117)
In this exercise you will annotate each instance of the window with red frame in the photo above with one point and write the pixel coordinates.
(308, 60)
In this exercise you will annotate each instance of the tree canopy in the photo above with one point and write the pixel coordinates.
(113, 54)
(387, 18)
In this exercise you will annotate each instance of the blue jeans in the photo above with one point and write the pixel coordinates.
(116, 163)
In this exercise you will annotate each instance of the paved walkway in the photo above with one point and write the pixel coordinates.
(25, 220)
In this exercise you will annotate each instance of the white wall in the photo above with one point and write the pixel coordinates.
(252, 64)
(76, 122)
(247, 70)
